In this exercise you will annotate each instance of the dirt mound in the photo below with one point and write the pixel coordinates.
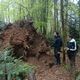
(25, 40)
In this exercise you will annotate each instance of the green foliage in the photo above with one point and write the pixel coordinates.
(77, 75)
(12, 66)
(2, 25)
(41, 11)
(74, 32)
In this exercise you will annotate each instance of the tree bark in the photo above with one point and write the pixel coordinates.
(32, 76)
(79, 17)
(63, 29)
(55, 15)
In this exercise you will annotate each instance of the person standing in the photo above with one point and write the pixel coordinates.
(57, 47)
(72, 50)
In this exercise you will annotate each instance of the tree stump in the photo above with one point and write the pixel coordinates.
(32, 76)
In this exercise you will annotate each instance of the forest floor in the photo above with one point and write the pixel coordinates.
(43, 71)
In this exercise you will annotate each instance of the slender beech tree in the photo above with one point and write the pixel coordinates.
(63, 28)
(55, 15)
(79, 16)
(66, 17)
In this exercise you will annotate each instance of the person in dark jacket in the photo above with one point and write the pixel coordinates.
(71, 50)
(57, 47)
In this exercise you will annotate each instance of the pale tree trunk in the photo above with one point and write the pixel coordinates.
(8, 16)
(55, 15)
(44, 15)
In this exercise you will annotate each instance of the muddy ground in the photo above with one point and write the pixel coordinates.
(43, 72)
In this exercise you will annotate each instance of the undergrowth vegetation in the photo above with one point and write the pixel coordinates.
(12, 68)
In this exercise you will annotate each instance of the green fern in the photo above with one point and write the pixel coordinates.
(13, 66)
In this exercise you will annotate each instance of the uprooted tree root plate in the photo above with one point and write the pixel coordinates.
(25, 40)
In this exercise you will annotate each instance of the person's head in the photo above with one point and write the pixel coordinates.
(56, 34)
(70, 37)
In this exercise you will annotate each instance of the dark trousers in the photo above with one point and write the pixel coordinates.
(57, 56)
(72, 69)
(71, 56)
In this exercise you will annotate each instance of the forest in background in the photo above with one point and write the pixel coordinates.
(48, 15)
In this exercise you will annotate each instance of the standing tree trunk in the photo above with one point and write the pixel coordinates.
(66, 20)
(44, 15)
(8, 17)
(79, 17)
(55, 15)
(63, 29)
(32, 76)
